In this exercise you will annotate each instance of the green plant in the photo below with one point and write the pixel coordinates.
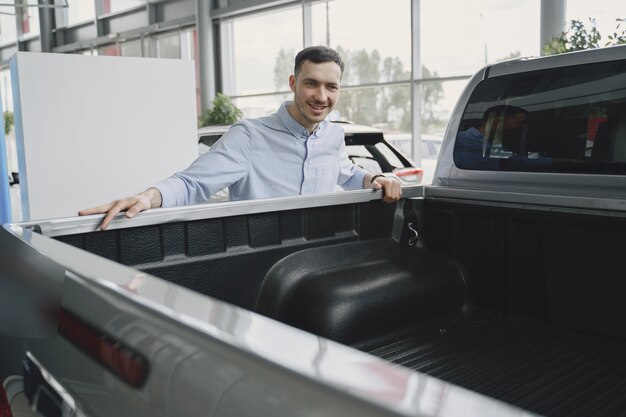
(223, 111)
(619, 36)
(577, 38)
(9, 121)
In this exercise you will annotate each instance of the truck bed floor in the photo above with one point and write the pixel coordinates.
(550, 372)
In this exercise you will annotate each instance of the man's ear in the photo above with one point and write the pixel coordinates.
(292, 82)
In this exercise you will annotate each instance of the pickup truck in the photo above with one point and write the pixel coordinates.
(498, 290)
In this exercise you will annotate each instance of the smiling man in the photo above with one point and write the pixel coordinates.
(291, 152)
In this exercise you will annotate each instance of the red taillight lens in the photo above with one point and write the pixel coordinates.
(5, 407)
(413, 175)
(128, 365)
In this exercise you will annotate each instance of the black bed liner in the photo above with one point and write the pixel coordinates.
(530, 365)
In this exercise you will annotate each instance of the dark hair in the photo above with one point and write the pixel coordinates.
(317, 55)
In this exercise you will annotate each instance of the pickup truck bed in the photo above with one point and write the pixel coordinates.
(446, 307)
(536, 367)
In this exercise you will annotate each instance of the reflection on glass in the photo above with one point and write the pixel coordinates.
(5, 90)
(8, 31)
(385, 107)
(111, 6)
(438, 99)
(263, 48)
(168, 46)
(30, 19)
(604, 12)
(261, 106)
(567, 119)
(79, 11)
(375, 49)
(109, 50)
(458, 38)
(131, 48)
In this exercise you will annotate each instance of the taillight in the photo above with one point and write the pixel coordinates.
(125, 363)
(411, 175)
(5, 407)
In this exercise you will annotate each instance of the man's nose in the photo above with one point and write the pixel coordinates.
(320, 94)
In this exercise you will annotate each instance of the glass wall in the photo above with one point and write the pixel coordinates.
(376, 52)
(260, 49)
(5, 89)
(79, 11)
(109, 50)
(8, 31)
(459, 38)
(257, 49)
(112, 6)
(168, 45)
(604, 12)
(261, 105)
(30, 18)
(377, 49)
(131, 48)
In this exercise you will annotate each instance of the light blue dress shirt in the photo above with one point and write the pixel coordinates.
(271, 156)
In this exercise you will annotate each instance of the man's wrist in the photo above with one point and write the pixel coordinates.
(154, 196)
(374, 178)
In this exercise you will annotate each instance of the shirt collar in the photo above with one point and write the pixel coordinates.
(293, 126)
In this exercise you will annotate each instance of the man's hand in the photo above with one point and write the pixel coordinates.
(392, 189)
(131, 205)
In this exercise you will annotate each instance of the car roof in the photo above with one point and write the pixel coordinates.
(213, 130)
(350, 127)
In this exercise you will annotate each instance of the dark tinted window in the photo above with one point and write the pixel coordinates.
(209, 140)
(569, 119)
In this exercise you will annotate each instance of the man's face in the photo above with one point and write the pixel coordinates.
(517, 121)
(316, 90)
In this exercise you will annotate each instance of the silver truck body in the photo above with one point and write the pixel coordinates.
(207, 357)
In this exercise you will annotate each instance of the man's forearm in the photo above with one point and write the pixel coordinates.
(367, 180)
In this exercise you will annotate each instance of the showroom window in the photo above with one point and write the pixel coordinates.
(112, 6)
(604, 12)
(131, 48)
(168, 45)
(459, 38)
(377, 53)
(109, 50)
(30, 18)
(75, 12)
(385, 107)
(8, 32)
(5, 89)
(258, 106)
(368, 42)
(258, 52)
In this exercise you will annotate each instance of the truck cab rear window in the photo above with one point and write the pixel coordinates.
(570, 119)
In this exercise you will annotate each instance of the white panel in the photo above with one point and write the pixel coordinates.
(91, 129)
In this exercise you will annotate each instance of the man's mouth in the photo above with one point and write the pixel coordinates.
(318, 107)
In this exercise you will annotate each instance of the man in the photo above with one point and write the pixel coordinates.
(502, 125)
(293, 151)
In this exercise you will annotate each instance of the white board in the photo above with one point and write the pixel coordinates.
(91, 129)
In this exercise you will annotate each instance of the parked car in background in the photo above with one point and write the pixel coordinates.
(430, 147)
(366, 146)
(208, 135)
